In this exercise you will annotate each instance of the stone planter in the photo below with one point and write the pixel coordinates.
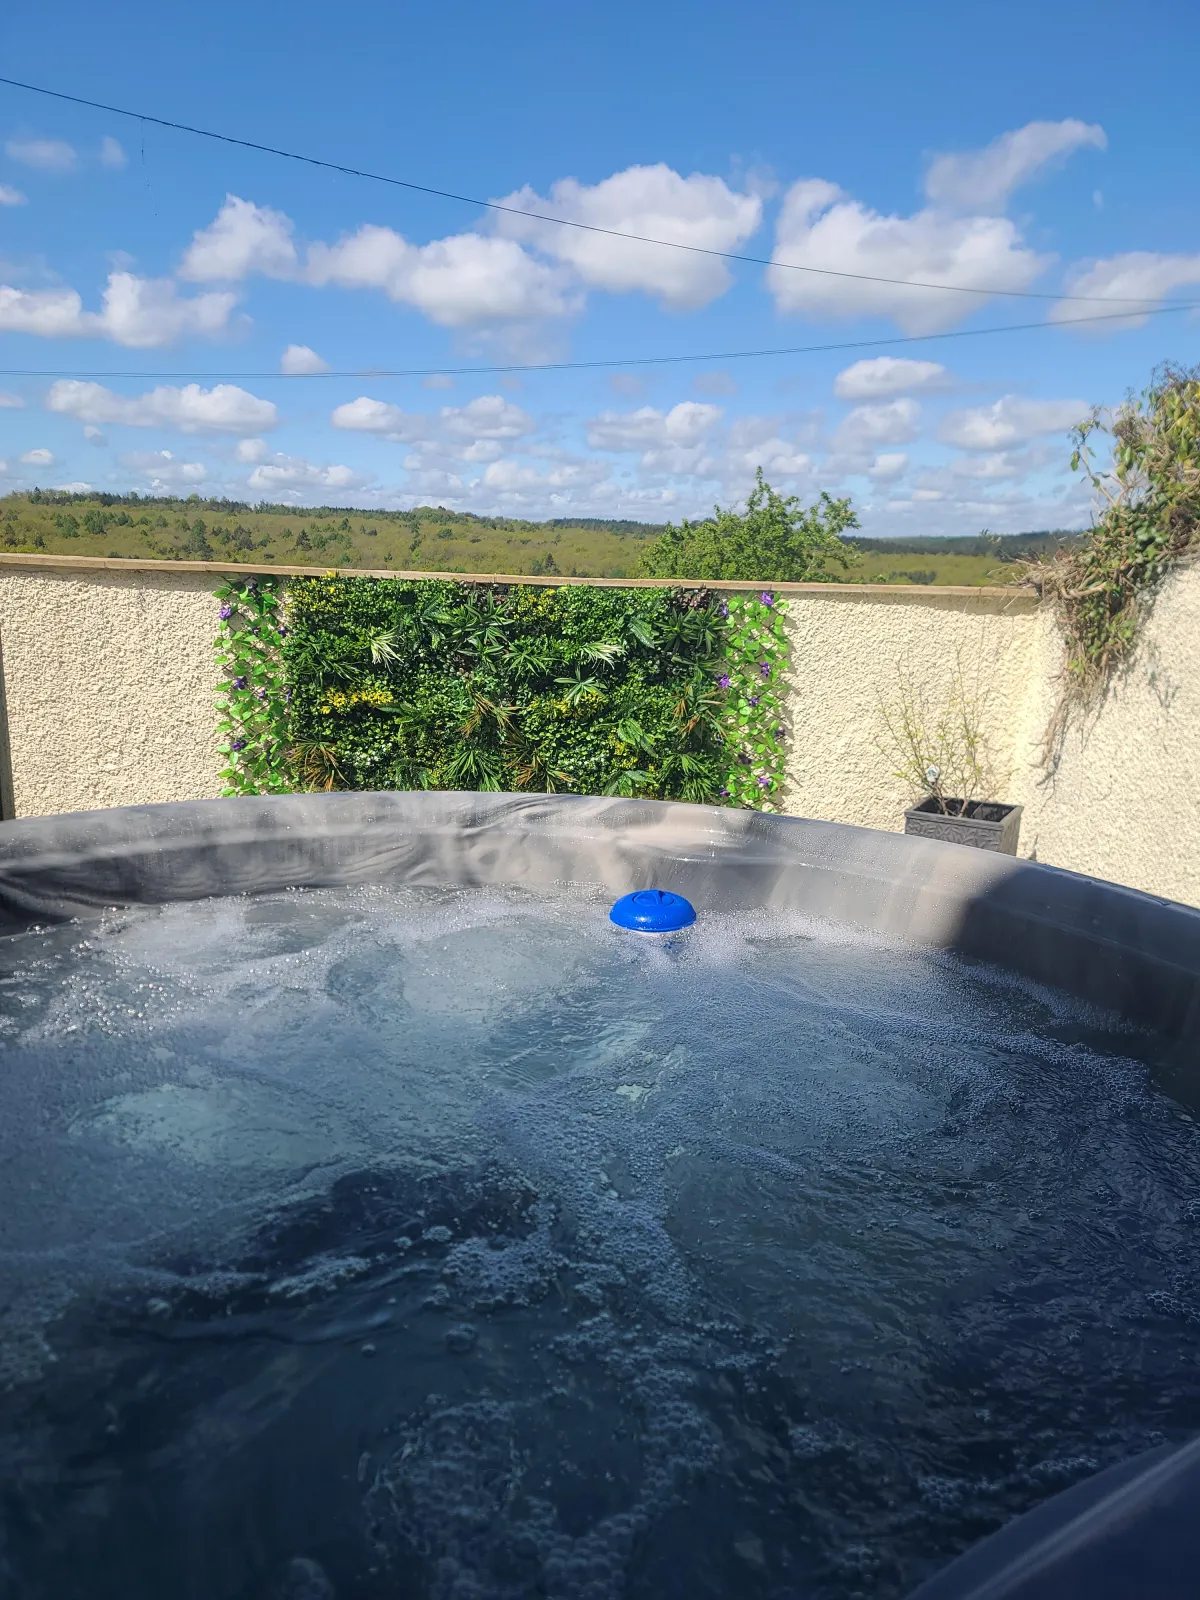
(982, 823)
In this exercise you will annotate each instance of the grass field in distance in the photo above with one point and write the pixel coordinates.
(430, 539)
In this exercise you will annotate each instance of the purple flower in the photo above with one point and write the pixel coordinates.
(282, 632)
(764, 783)
(753, 700)
(239, 683)
(779, 731)
(764, 668)
(287, 697)
(725, 792)
(237, 744)
(261, 694)
(724, 613)
(768, 599)
(723, 680)
(225, 613)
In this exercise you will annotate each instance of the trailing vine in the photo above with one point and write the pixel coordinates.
(756, 659)
(1149, 519)
(252, 699)
(397, 684)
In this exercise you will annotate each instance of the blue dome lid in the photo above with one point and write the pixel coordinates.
(653, 911)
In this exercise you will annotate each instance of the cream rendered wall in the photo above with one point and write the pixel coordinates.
(1123, 801)
(109, 683)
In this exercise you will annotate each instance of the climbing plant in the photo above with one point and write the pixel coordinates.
(252, 698)
(396, 684)
(756, 658)
(1148, 519)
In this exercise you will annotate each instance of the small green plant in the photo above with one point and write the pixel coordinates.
(936, 740)
(252, 700)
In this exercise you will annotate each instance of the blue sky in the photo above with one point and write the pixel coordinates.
(145, 274)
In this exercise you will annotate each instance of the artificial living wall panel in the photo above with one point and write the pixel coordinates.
(360, 683)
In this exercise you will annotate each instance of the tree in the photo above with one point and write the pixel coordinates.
(775, 540)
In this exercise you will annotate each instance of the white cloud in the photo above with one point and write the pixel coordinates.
(10, 401)
(141, 313)
(1010, 420)
(463, 431)
(250, 450)
(437, 380)
(982, 180)
(488, 417)
(883, 376)
(365, 415)
(464, 279)
(467, 278)
(74, 488)
(821, 227)
(163, 471)
(685, 424)
(38, 458)
(891, 422)
(887, 467)
(656, 203)
(47, 155)
(243, 238)
(223, 409)
(94, 435)
(298, 359)
(290, 473)
(144, 313)
(10, 196)
(1136, 275)
(112, 153)
(513, 478)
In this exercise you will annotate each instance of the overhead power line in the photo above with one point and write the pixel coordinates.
(560, 222)
(608, 362)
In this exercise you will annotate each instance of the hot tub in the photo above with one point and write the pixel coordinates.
(380, 1220)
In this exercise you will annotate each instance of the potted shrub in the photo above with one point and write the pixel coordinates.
(942, 757)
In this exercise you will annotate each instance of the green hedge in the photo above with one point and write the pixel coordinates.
(398, 684)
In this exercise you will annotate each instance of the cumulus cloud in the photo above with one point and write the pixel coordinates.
(163, 471)
(647, 428)
(10, 196)
(1008, 421)
(38, 458)
(298, 359)
(820, 227)
(112, 153)
(654, 202)
(10, 401)
(140, 313)
(222, 409)
(250, 450)
(46, 155)
(889, 466)
(467, 278)
(883, 376)
(465, 431)
(866, 427)
(514, 478)
(982, 180)
(287, 474)
(1136, 275)
(244, 238)
(74, 488)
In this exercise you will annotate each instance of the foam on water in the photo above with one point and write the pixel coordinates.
(453, 1244)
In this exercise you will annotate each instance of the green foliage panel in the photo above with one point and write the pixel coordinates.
(394, 684)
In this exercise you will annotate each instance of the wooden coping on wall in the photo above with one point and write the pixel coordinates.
(1021, 593)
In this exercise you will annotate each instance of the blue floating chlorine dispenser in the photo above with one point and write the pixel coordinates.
(653, 911)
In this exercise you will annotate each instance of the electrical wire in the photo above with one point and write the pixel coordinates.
(606, 363)
(561, 222)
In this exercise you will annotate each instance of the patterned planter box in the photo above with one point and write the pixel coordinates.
(983, 824)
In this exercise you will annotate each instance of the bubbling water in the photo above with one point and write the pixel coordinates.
(452, 1244)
